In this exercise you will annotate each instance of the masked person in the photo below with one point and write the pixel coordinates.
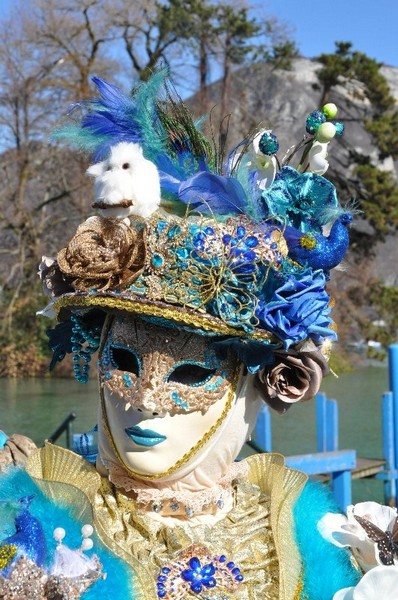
(204, 292)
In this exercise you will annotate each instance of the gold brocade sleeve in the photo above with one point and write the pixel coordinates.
(284, 486)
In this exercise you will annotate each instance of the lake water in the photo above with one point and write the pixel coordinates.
(359, 396)
(35, 407)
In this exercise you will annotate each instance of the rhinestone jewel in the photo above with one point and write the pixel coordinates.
(157, 260)
(157, 507)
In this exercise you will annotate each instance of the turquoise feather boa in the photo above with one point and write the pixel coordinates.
(327, 568)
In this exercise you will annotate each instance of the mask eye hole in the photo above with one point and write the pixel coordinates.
(188, 374)
(125, 359)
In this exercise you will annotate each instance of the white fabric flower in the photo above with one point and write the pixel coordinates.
(262, 166)
(346, 531)
(265, 166)
(379, 583)
(317, 158)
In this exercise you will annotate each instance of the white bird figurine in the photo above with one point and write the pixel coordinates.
(126, 183)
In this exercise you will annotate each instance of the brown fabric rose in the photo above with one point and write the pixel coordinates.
(293, 377)
(104, 254)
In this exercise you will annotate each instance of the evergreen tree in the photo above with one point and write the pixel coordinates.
(376, 190)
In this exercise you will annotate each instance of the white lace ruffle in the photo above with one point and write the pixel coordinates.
(174, 502)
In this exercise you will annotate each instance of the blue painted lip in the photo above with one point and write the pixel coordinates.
(144, 437)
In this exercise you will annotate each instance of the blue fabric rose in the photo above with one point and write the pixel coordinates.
(297, 310)
(303, 200)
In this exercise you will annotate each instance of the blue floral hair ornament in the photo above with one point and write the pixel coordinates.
(305, 201)
(299, 309)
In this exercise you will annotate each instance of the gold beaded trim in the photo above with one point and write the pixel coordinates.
(188, 455)
(176, 314)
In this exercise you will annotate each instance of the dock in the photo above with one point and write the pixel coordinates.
(368, 467)
(364, 467)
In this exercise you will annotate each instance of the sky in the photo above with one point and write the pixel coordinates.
(371, 25)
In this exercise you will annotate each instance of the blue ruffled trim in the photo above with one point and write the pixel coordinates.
(16, 484)
(327, 568)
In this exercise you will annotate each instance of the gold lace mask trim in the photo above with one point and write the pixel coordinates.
(162, 370)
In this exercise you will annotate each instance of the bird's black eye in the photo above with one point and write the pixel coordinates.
(189, 374)
(126, 166)
(125, 359)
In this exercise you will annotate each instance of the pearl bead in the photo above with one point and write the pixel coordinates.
(330, 110)
(87, 530)
(326, 132)
(59, 534)
(87, 544)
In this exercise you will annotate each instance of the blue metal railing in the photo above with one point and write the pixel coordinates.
(328, 459)
(390, 430)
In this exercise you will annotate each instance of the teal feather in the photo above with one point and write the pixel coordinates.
(244, 174)
(80, 139)
(147, 96)
(327, 568)
(114, 116)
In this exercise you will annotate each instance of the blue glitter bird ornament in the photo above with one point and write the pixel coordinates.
(28, 539)
(316, 250)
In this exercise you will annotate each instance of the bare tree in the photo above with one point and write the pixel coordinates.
(34, 174)
(75, 32)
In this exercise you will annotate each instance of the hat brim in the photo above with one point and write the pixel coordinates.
(201, 322)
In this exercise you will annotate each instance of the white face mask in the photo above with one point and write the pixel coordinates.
(164, 395)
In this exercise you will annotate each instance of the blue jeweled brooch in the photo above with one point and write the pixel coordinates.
(196, 572)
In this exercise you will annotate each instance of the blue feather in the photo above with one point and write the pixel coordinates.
(112, 116)
(209, 193)
(115, 117)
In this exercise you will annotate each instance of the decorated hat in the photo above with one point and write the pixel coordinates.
(240, 249)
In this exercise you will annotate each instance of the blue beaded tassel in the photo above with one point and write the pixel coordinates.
(85, 342)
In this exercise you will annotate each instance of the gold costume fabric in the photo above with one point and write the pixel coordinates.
(257, 534)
